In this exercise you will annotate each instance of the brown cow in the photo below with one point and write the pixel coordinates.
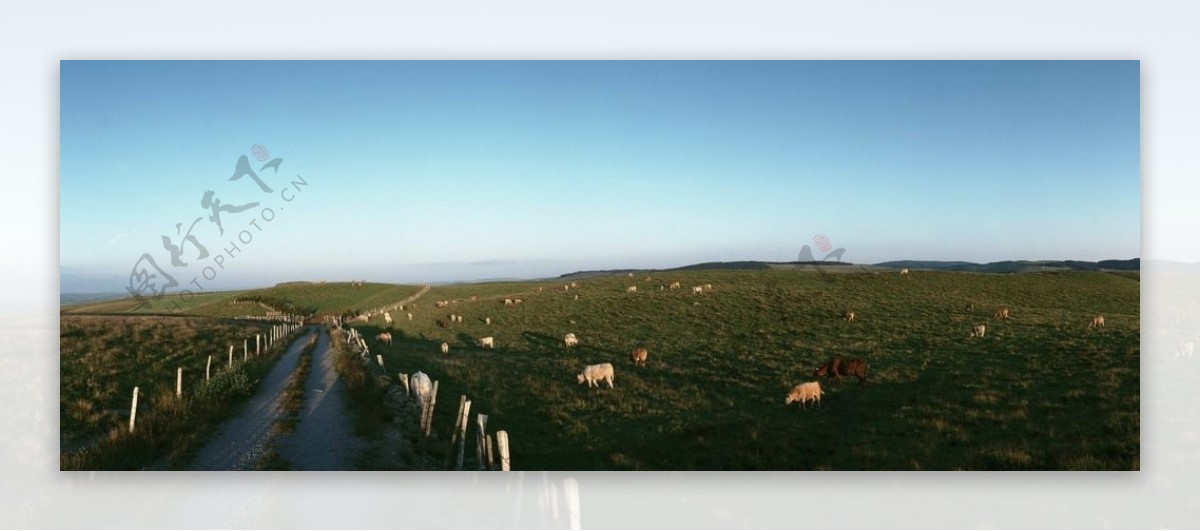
(838, 367)
(639, 356)
(1002, 312)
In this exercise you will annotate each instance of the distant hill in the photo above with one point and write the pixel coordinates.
(1018, 266)
(1008, 266)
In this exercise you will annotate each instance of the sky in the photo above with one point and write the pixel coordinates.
(455, 171)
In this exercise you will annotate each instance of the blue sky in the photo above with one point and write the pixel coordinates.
(439, 171)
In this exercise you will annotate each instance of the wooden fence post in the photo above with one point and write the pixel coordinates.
(481, 441)
(462, 400)
(258, 345)
(208, 368)
(179, 382)
(133, 411)
(379, 358)
(462, 434)
(491, 458)
(427, 421)
(502, 447)
(230, 356)
(245, 349)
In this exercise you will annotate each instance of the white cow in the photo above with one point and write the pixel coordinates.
(445, 348)
(805, 392)
(596, 373)
(488, 342)
(903, 271)
(570, 340)
(387, 317)
(631, 289)
(697, 289)
(978, 331)
(410, 317)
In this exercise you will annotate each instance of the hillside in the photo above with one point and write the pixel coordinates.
(302, 298)
(1040, 391)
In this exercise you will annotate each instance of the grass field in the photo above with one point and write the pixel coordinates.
(1040, 391)
(321, 298)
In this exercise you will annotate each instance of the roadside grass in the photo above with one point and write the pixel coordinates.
(1040, 391)
(103, 358)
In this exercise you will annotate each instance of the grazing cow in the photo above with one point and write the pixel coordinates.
(1097, 321)
(517, 301)
(674, 285)
(421, 388)
(638, 356)
(570, 340)
(697, 289)
(1002, 312)
(978, 331)
(410, 317)
(445, 348)
(440, 304)
(508, 302)
(487, 321)
(903, 271)
(577, 297)
(441, 323)
(850, 315)
(837, 367)
(567, 287)
(385, 338)
(387, 317)
(708, 287)
(574, 285)
(631, 289)
(805, 392)
(487, 342)
(596, 373)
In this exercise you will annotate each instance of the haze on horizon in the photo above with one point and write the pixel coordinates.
(441, 171)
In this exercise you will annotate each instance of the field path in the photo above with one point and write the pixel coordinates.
(324, 439)
(244, 440)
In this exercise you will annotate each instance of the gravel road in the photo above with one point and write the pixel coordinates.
(243, 441)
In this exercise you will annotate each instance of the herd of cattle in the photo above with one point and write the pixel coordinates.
(803, 393)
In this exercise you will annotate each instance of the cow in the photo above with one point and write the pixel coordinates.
(638, 356)
(570, 340)
(445, 348)
(1097, 321)
(592, 374)
(903, 271)
(837, 367)
(978, 331)
(385, 338)
(697, 289)
(631, 289)
(674, 285)
(850, 315)
(1002, 312)
(487, 342)
(805, 392)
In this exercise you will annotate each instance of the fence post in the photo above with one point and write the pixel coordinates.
(133, 411)
(481, 441)
(462, 434)
(257, 344)
(427, 421)
(230, 356)
(245, 349)
(379, 358)
(179, 382)
(208, 368)
(404, 382)
(502, 447)
(462, 400)
(491, 458)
